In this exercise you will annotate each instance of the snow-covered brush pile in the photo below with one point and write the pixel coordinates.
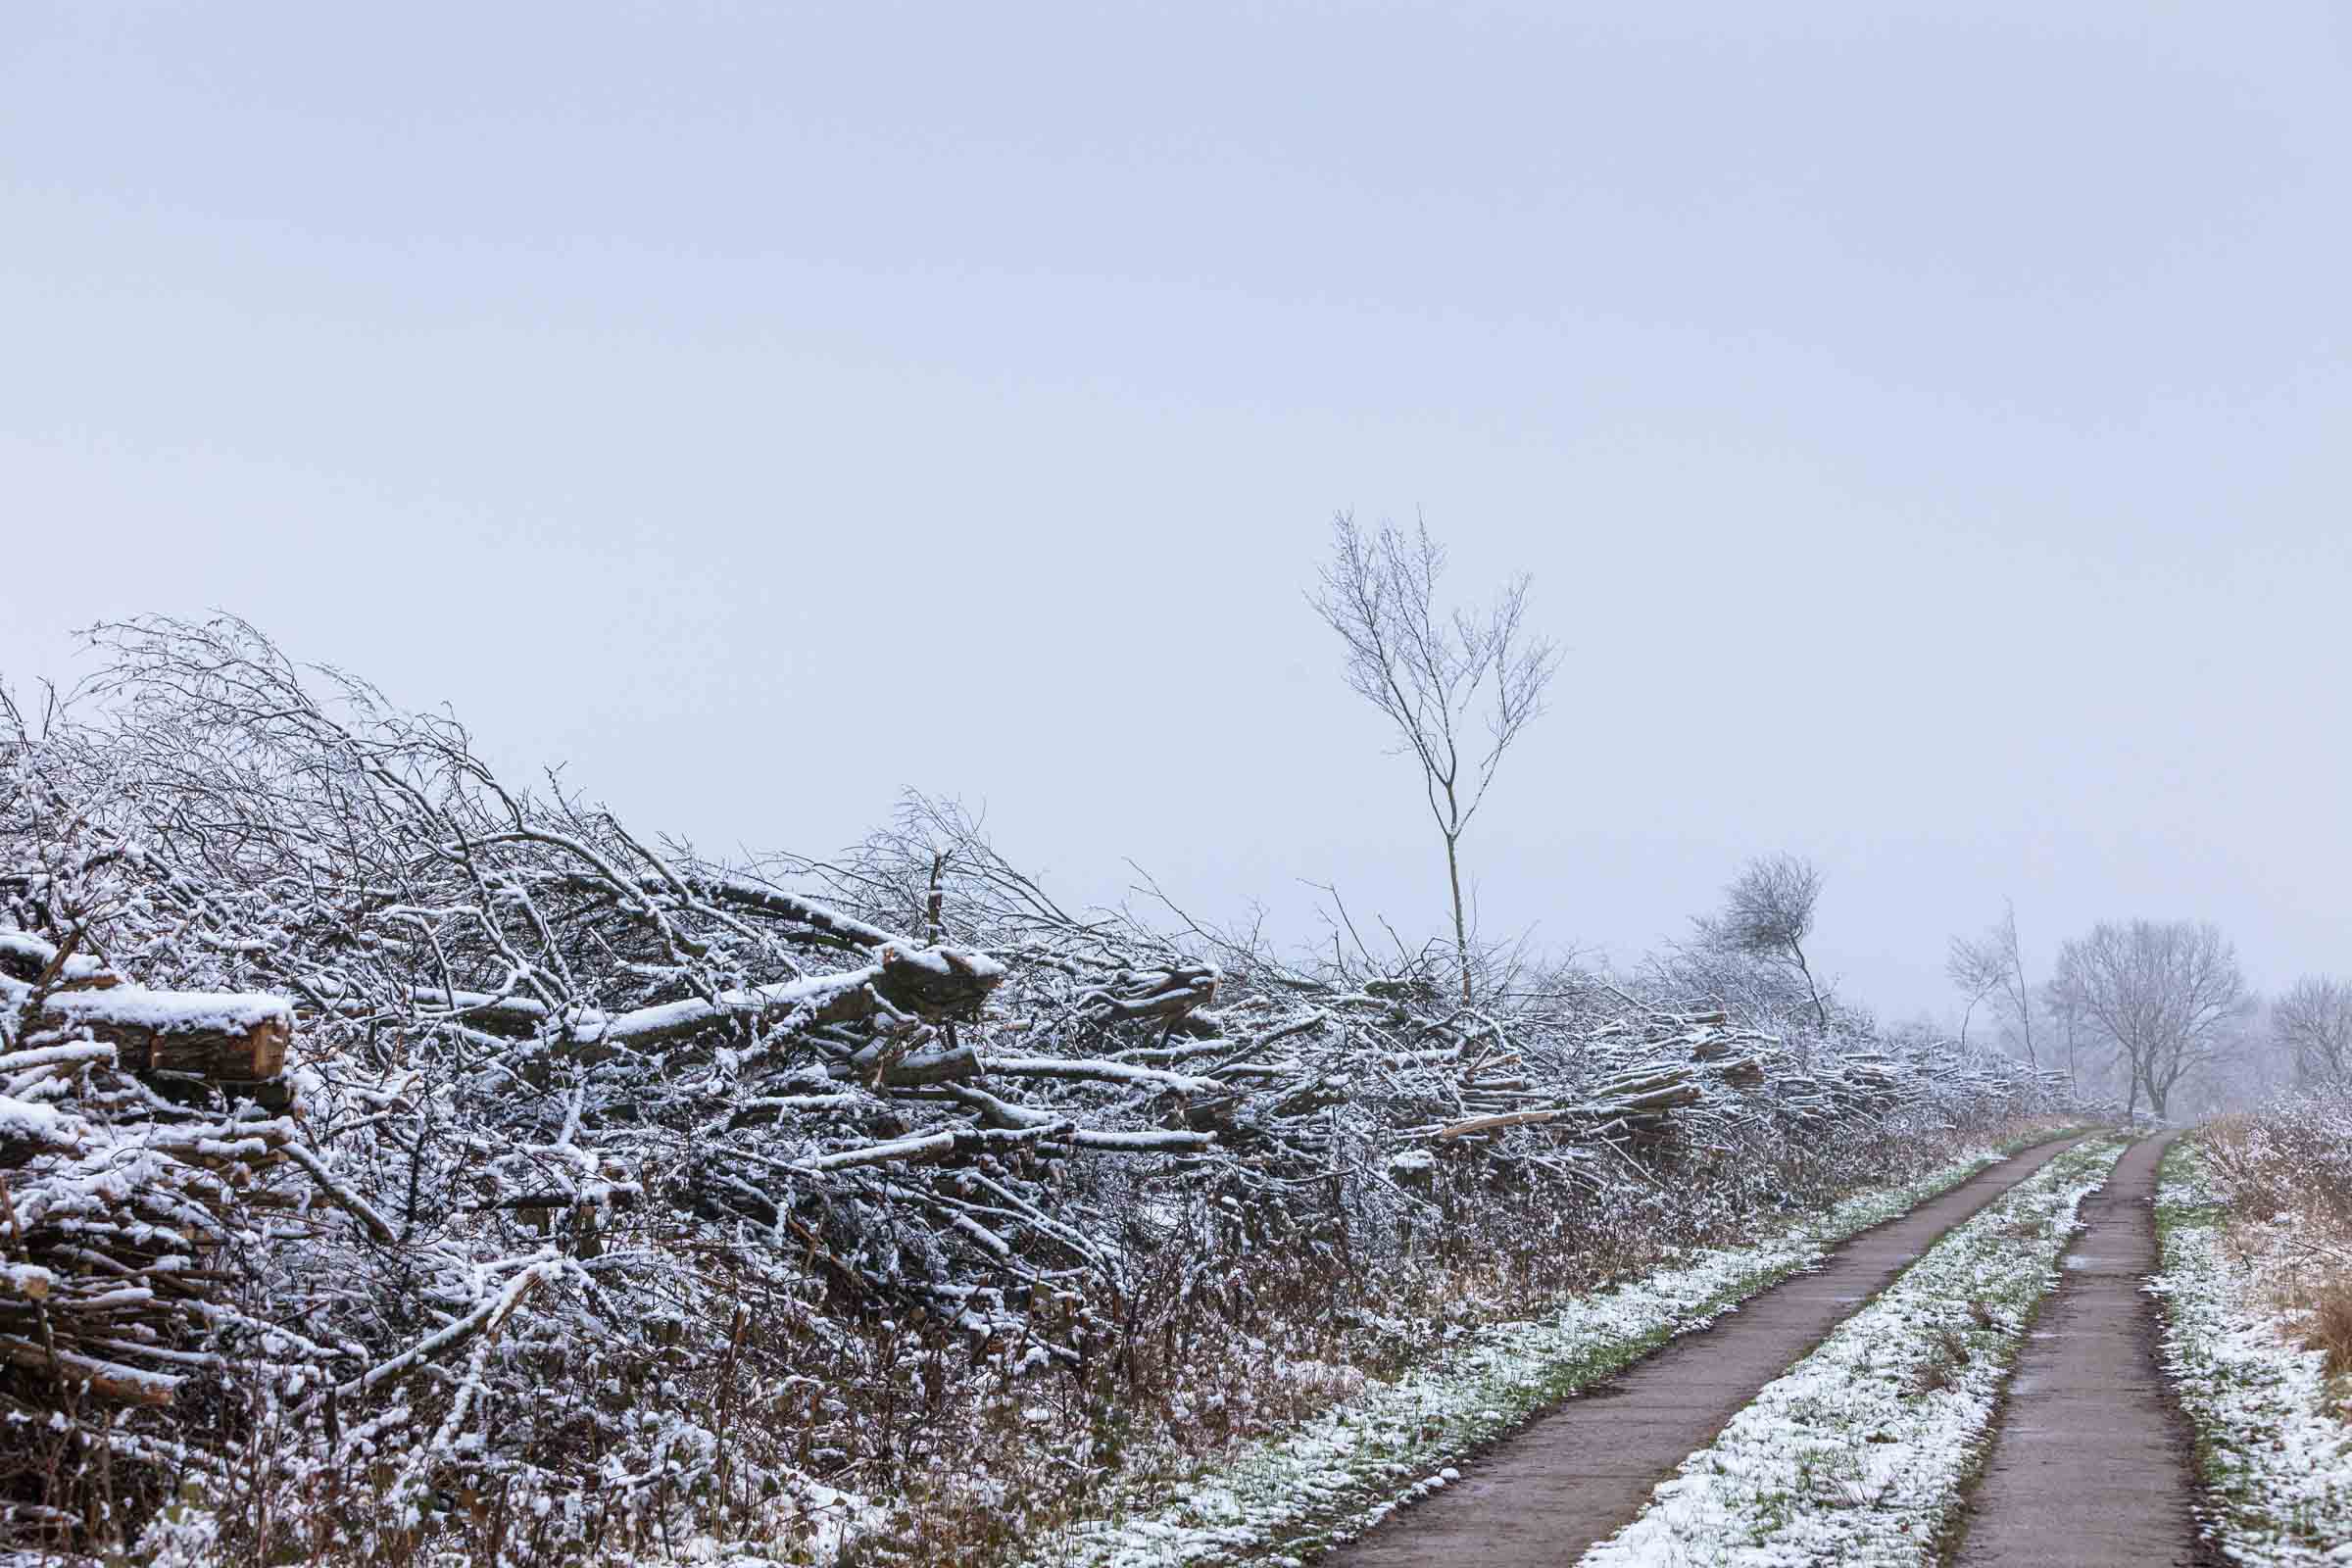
(619, 1200)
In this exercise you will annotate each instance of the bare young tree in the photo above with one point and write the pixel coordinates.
(1974, 979)
(1993, 965)
(2167, 996)
(1767, 914)
(2313, 1024)
(2066, 1014)
(1459, 687)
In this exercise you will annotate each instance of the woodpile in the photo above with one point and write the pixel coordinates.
(117, 1196)
(217, 1037)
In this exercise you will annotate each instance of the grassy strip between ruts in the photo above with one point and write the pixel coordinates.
(2274, 1450)
(1286, 1500)
(1858, 1454)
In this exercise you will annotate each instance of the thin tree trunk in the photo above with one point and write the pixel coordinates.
(2025, 1013)
(2024, 993)
(1821, 1013)
(1461, 930)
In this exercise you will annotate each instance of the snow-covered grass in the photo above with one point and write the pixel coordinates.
(2274, 1448)
(1858, 1454)
(1285, 1498)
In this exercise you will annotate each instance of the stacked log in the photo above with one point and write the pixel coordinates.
(219, 1037)
(115, 1194)
(1872, 1082)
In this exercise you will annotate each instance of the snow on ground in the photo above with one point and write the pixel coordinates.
(1390, 1443)
(1858, 1454)
(2274, 1448)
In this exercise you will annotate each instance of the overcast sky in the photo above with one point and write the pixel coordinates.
(1929, 428)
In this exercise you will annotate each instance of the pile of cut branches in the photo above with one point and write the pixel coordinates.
(614, 1196)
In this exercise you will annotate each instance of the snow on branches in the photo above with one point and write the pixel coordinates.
(609, 1191)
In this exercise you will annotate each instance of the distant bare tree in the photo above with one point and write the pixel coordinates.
(2166, 994)
(2250, 1068)
(2066, 1012)
(1973, 977)
(1458, 687)
(2312, 1023)
(1767, 914)
(1993, 965)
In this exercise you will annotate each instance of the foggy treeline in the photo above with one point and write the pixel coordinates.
(2153, 1014)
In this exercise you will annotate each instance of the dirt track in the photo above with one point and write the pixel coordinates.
(1573, 1476)
(2090, 1465)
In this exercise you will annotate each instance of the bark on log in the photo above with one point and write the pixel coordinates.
(128, 1385)
(1165, 994)
(218, 1037)
(1496, 1124)
(1745, 1073)
(924, 982)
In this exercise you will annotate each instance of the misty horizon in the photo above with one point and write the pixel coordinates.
(1945, 496)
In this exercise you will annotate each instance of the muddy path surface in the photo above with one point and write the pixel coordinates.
(1576, 1475)
(2091, 1463)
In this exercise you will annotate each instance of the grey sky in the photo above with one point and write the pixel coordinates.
(1928, 426)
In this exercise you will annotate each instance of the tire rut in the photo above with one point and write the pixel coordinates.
(2091, 1461)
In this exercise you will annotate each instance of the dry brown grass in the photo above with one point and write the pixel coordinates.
(2330, 1325)
(2286, 1175)
(1948, 1351)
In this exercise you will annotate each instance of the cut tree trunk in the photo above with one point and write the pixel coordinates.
(222, 1037)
